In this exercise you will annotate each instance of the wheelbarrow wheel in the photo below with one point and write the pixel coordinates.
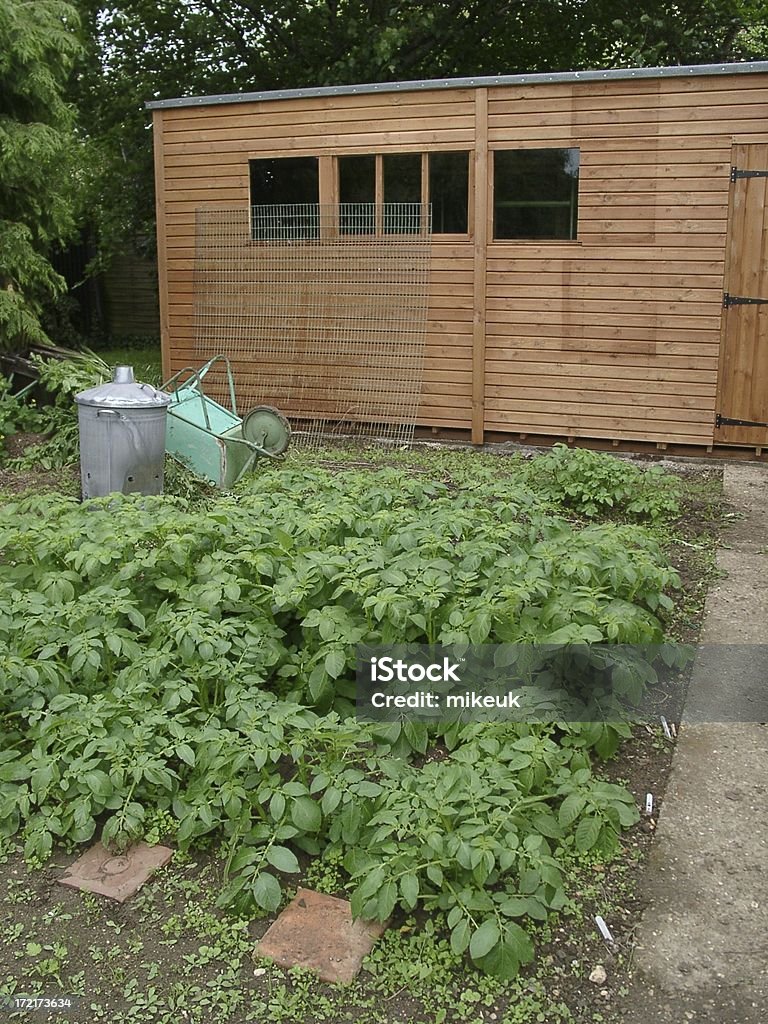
(269, 429)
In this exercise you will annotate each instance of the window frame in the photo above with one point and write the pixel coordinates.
(379, 155)
(523, 240)
(273, 157)
(329, 184)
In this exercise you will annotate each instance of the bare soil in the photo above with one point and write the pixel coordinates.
(32, 481)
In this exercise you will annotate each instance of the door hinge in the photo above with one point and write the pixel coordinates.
(740, 300)
(726, 421)
(737, 173)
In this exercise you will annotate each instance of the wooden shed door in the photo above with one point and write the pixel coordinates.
(742, 410)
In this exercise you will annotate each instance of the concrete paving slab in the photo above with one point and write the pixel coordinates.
(702, 944)
(317, 932)
(116, 876)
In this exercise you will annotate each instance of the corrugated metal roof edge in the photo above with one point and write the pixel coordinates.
(674, 71)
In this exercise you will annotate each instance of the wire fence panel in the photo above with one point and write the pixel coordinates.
(322, 311)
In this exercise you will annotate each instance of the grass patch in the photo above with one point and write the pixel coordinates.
(146, 361)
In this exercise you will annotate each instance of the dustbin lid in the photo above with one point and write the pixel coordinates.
(124, 392)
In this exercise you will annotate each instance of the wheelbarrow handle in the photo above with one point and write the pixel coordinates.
(197, 375)
(175, 377)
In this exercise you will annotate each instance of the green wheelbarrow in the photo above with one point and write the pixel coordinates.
(213, 441)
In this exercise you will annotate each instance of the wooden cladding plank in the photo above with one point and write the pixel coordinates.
(668, 352)
(602, 175)
(580, 412)
(610, 427)
(257, 134)
(570, 335)
(211, 177)
(694, 87)
(599, 179)
(568, 367)
(615, 390)
(190, 199)
(233, 121)
(638, 376)
(664, 205)
(182, 170)
(292, 144)
(312, 377)
(708, 312)
(511, 254)
(310, 106)
(588, 99)
(593, 266)
(453, 363)
(644, 220)
(603, 235)
(570, 399)
(520, 315)
(704, 132)
(548, 256)
(656, 119)
(684, 157)
(584, 280)
(592, 363)
(502, 287)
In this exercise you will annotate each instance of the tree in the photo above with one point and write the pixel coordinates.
(38, 158)
(662, 33)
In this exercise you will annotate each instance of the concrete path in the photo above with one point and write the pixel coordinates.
(702, 944)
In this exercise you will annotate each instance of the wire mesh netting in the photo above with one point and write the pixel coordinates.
(322, 311)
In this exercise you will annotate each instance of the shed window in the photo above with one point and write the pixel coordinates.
(383, 192)
(357, 194)
(535, 193)
(285, 182)
(402, 185)
(449, 192)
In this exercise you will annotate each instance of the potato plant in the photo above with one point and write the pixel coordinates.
(199, 663)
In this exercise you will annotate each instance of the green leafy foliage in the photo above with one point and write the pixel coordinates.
(197, 666)
(62, 379)
(593, 484)
(15, 413)
(38, 184)
(663, 33)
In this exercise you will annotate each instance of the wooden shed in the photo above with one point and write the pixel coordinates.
(599, 257)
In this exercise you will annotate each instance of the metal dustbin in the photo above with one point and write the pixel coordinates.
(122, 436)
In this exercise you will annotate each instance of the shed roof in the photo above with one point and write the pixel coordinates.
(545, 78)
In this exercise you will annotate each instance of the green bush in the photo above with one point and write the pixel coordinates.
(62, 379)
(15, 413)
(593, 483)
